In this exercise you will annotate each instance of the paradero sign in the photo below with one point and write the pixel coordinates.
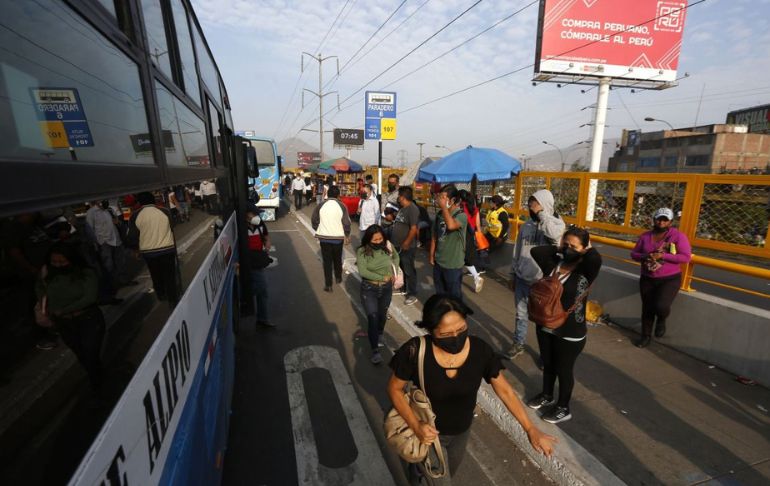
(348, 136)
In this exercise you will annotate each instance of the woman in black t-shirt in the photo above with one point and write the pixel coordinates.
(578, 265)
(454, 365)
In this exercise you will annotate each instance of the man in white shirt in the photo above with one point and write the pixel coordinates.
(298, 187)
(369, 210)
(209, 193)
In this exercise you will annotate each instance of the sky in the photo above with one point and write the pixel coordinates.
(258, 47)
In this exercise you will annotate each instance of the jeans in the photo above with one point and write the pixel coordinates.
(454, 447)
(559, 356)
(448, 281)
(522, 314)
(319, 198)
(259, 290)
(406, 262)
(165, 276)
(298, 199)
(657, 296)
(376, 300)
(331, 254)
(84, 335)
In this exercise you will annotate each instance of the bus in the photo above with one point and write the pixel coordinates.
(101, 101)
(265, 181)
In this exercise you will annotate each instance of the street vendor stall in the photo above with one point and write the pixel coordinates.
(346, 174)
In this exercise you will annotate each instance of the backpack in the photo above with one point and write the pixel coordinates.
(544, 305)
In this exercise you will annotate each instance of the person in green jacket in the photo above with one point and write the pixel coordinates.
(376, 260)
(70, 290)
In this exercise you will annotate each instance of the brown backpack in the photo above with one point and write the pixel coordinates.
(544, 305)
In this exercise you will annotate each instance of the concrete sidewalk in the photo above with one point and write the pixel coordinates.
(651, 416)
(655, 415)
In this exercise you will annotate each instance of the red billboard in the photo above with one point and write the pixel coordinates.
(622, 39)
(306, 158)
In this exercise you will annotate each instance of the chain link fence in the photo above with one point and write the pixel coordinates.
(734, 213)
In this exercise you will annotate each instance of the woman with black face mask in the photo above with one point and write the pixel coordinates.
(455, 363)
(577, 264)
(376, 259)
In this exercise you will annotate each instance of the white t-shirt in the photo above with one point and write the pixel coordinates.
(208, 188)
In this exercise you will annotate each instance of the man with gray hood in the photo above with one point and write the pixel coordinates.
(542, 228)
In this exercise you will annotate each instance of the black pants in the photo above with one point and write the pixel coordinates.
(164, 273)
(559, 356)
(84, 335)
(331, 253)
(376, 300)
(454, 447)
(298, 199)
(657, 296)
(406, 262)
(494, 243)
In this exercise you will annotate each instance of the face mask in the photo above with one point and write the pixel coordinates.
(377, 246)
(255, 221)
(658, 229)
(65, 270)
(533, 215)
(452, 344)
(391, 187)
(569, 255)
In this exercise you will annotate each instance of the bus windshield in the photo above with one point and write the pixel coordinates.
(265, 153)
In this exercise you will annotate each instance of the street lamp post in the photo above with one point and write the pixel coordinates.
(443, 147)
(561, 154)
(651, 119)
(420, 144)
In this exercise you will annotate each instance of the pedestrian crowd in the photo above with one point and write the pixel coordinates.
(553, 268)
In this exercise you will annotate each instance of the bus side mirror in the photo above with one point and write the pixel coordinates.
(251, 160)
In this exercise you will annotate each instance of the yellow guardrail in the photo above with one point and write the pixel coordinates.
(726, 215)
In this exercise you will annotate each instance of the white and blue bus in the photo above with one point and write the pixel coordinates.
(265, 181)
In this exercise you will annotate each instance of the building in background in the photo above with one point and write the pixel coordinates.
(756, 118)
(709, 149)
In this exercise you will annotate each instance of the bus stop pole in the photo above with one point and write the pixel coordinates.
(379, 169)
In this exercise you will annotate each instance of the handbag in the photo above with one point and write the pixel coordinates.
(481, 241)
(403, 439)
(398, 274)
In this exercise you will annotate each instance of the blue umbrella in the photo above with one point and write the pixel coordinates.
(462, 166)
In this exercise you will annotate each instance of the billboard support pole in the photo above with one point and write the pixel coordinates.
(598, 140)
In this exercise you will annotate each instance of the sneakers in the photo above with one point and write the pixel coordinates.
(411, 300)
(380, 342)
(376, 358)
(540, 400)
(557, 414)
(514, 351)
(479, 284)
(643, 342)
(339, 281)
(400, 291)
(328, 289)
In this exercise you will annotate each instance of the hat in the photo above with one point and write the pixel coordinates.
(664, 213)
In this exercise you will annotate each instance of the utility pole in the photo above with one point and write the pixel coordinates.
(420, 144)
(320, 94)
(402, 157)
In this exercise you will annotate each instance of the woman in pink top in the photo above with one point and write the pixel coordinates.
(661, 252)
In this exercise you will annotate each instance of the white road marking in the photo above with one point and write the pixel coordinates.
(369, 467)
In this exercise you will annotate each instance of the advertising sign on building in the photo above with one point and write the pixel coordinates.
(306, 158)
(380, 115)
(625, 39)
(348, 136)
(757, 118)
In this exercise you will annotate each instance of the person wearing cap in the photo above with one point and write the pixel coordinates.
(661, 251)
(257, 260)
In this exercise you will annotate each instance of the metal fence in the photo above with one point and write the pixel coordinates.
(725, 217)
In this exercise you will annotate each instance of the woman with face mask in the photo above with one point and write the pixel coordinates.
(376, 259)
(577, 265)
(455, 363)
(69, 290)
(661, 252)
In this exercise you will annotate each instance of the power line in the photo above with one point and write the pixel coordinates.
(390, 33)
(463, 43)
(317, 49)
(302, 73)
(552, 57)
